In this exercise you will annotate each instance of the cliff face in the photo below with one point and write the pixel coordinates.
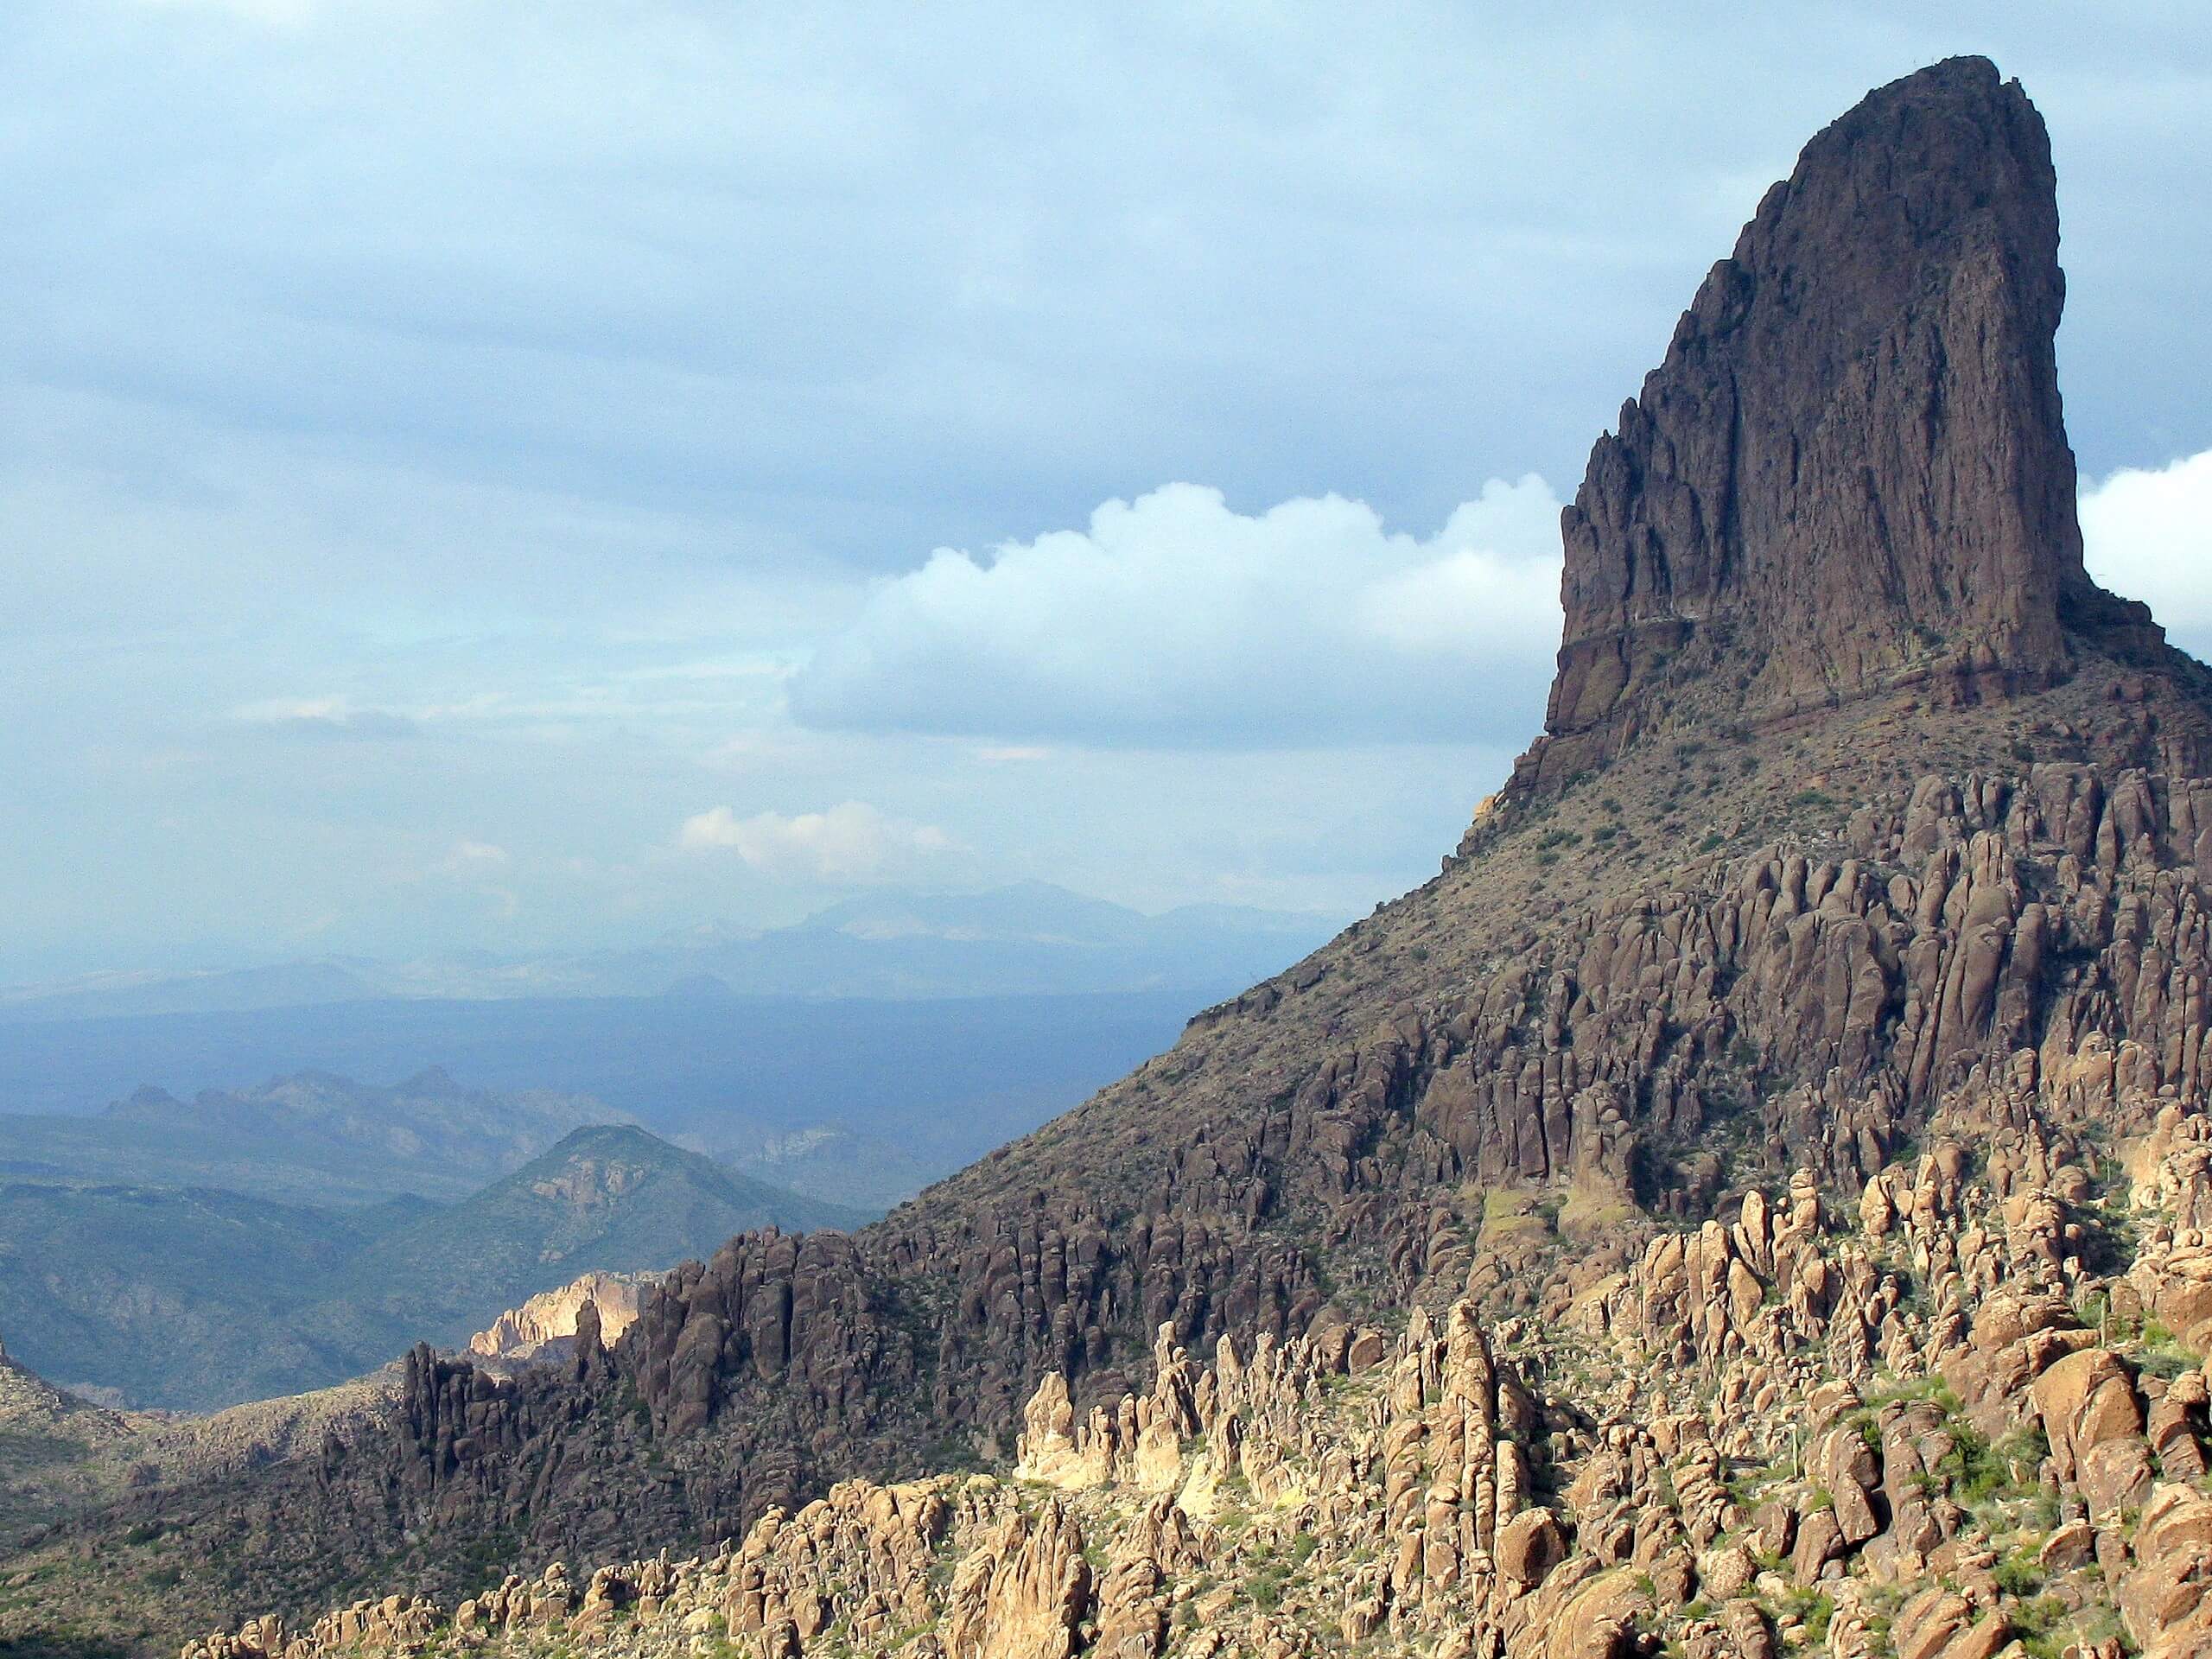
(549, 1325)
(1852, 468)
(1864, 823)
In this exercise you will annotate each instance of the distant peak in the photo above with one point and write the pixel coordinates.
(147, 1098)
(1851, 471)
(601, 1138)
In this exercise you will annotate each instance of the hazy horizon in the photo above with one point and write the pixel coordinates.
(525, 487)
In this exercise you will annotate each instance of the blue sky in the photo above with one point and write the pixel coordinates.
(483, 476)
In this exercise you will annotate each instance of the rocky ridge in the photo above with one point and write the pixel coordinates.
(1887, 1431)
(48, 1438)
(1780, 1125)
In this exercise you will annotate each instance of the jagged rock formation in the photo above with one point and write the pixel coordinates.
(545, 1327)
(1851, 471)
(1774, 1068)
(1749, 1440)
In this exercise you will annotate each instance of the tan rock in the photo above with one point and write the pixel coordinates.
(1820, 1541)
(1528, 1547)
(526, 1332)
(2070, 1548)
(1024, 1594)
(1926, 1625)
(2085, 1400)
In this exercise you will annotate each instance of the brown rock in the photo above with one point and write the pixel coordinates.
(1918, 233)
(2115, 1475)
(1747, 1628)
(1854, 1513)
(1597, 1619)
(1820, 1541)
(1528, 1547)
(1926, 1625)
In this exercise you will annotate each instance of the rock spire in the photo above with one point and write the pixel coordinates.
(1851, 472)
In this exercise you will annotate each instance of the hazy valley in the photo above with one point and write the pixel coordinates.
(262, 1237)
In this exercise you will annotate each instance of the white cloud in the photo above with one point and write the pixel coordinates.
(475, 856)
(324, 717)
(1496, 577)
(1174, 619)
(2147, 534)
(851, 842)
(484, 867)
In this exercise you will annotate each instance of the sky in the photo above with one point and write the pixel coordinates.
(478, 476)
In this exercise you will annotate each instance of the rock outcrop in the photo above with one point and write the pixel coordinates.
(1755, 1179)
(1852, 470)
(1553, 1489)
(545, 1327)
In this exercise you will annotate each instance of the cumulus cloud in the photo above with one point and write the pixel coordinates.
(2147, 533)
(854, 843)
(1174, 619)
(327, 717)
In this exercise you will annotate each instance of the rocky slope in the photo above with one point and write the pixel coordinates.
(1752, 1198)
(48, 1441)
(1779, 1433)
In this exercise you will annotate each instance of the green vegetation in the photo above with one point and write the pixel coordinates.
(287, 1297)
(1265, 1586)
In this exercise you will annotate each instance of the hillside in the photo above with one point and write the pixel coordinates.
(610, 1197)
(50, 1442)
(308, 1138)
(176, 1297)
(1752, 1199)
(193, 1298)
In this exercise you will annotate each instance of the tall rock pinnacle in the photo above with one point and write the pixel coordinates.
(1852, 469)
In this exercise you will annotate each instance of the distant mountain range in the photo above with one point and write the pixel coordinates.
(861, 1103)
(312, 1137)
(1033, 938)
(181, 1231)
(193, 1297)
